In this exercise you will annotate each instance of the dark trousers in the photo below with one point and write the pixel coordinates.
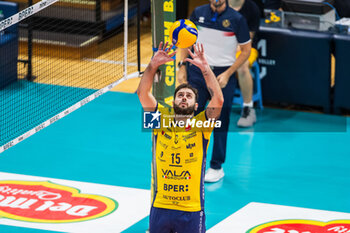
(195, 78)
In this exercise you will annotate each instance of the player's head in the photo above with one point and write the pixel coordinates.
(217, 3)
(185, 99)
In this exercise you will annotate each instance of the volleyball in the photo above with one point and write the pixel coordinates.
(183, 33)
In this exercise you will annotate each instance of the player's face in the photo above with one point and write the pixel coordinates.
(185, 102)
(217, 3)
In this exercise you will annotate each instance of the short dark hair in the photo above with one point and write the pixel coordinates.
(186, 85)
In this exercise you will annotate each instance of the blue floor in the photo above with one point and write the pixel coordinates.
(292, 158)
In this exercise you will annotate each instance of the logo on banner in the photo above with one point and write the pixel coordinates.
(47, 202)
(302, 226)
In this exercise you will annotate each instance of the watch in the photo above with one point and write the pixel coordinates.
(181, 63)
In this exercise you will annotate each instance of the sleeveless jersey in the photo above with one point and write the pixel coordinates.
(179, 167)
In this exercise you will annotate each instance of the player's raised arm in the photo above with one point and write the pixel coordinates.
(198, 59)
(148, 101)
(182, 73)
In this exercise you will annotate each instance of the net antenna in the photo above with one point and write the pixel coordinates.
(95, 66)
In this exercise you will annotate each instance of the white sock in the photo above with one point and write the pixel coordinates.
(250, 104)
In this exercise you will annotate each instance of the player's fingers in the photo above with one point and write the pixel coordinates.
(202, 48)
(172, 54)
(189, 60)
(198, 48)
(190, 52)
(170, 47)
(195, 48)
(165, 46)
(160, 45)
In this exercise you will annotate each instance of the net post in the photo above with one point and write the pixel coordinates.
(126, 7)
(30, 76)
(138, 36)
(163, 16)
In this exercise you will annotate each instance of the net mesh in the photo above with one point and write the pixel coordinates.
(59, 56)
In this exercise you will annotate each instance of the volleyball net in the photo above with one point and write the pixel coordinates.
(58, 55)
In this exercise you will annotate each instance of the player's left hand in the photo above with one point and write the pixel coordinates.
(223, 79)
(198, 57)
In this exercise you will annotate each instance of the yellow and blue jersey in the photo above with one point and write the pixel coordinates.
(179, 164)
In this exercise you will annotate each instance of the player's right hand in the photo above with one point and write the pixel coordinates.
(162, 56)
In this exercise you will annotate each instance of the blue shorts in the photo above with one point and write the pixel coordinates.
(176, 221)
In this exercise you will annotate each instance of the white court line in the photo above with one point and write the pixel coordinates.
(255, 214)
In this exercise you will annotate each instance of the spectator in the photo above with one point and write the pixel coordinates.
(221, 30)
(251, 13)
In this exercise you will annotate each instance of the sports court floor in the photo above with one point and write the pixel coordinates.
(293, 159)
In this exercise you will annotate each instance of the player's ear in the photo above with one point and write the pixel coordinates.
(195, 106)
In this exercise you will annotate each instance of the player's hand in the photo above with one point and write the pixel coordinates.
(198, 57)
(223, 79)
(162, 56)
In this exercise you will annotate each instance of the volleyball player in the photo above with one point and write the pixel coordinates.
(180, 152)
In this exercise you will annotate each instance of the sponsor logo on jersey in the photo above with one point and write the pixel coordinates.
(191, 160)
(176, 139)
(161, 156)
(175, 198)
(166, 135)
(226, 23)
(188, 136)
(47, 202)
(165, 146)
(302, 226)
(190, 145)
(176, 175)
(175, 188)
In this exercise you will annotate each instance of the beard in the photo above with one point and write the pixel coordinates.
(183, 111)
